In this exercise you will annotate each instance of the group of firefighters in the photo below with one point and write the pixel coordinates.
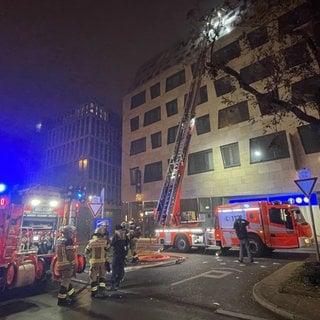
(124, 238)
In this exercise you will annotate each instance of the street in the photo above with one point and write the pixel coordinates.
(204, 286)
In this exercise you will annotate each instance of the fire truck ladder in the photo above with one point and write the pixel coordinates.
(175, 171)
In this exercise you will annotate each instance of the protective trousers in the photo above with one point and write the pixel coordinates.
(66, 290)
(97, 274)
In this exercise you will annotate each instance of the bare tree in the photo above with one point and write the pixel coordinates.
(282, 46)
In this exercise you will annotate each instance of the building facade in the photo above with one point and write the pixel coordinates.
(235, 153)
(83, 151)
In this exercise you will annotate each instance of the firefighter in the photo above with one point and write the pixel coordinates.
(96, 251)
(103, 229)
(119, 244)
(134, 234)
(65, 252)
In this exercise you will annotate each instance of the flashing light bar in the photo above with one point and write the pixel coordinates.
(297, 199)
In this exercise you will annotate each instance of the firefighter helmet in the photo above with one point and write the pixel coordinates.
(123, 225)
(100, 231)
(131, 225)
(68, 230)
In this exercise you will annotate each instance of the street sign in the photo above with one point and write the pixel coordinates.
(95, 207)
(306, 185)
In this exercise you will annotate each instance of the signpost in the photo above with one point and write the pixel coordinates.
(306, 186)
(95, 208)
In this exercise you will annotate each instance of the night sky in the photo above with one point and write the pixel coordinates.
(57, 54)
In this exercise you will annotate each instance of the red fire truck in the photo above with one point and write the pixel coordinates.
(28, 231)
(272, 226)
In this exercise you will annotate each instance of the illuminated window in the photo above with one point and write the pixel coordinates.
(83, 164)
(269, 147)
(230, 155)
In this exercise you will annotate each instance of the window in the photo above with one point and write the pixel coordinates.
(310, 139)
(269, 147)
(233, 115)
(230, 155)
(200, 162)
(305, 90)
(152, 116)
(153, 172)
(258, 37)
(205, 205)
(172, 107)
(257, 71)
(134, 123)
(266, 105)
(155, 90)
(203, 95)
(203, 124)
(138, 99)
(296, 54)
(275, 216)
(223, 85)
(138, 146)
(227, 53)
(294, 18)
(175, 80)
(172, 133)
(156, 140)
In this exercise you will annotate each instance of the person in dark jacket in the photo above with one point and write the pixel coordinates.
(240, 225)
(119, 243)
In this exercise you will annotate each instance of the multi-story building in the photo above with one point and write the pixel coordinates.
(234, 154)
(84, 150)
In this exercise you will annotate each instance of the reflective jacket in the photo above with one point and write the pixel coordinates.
(96, 250)
(65, 251)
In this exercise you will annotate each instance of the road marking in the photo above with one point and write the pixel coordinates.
(214, 274)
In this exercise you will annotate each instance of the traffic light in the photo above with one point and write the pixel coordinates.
(80, 194)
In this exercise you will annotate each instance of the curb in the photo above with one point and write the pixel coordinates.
(270, 285)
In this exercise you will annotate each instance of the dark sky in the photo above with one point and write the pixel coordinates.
(58, 54)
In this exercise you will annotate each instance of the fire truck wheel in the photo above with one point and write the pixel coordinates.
(257, 248)
(81, 263)
(40, 268)
(181, 243)
(11, 274)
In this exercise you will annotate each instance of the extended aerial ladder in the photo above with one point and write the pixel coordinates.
(168, 205)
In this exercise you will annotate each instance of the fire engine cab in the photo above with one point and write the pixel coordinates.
(271, 226)
(27, 238)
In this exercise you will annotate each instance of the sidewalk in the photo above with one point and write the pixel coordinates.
(290, 306)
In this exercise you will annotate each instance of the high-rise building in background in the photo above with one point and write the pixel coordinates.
(83, 150)
(234, 154)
